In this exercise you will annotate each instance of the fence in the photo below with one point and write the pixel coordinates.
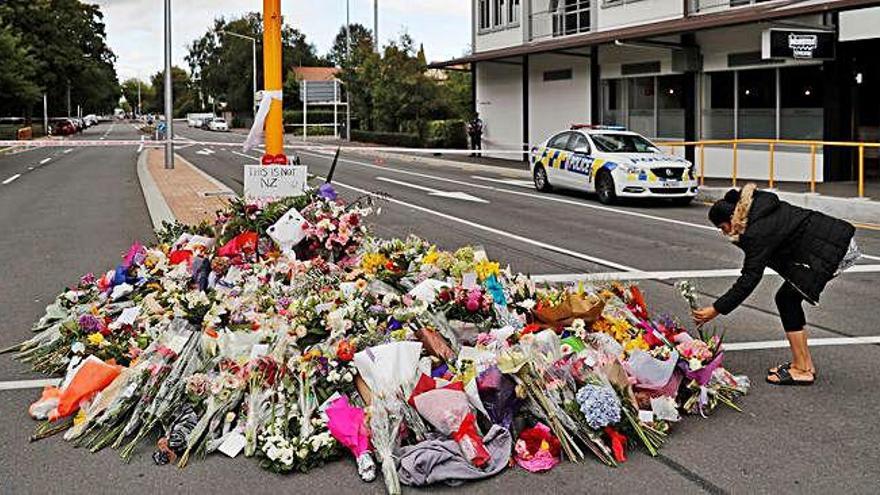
(772, 144)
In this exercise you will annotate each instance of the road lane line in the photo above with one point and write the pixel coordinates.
(668, 275)
(528, 195)
(45, 161)
(68, 150)
(435, 192)
(492, 230)
(510, 182)
(9, 180)
(783, 344)
(868, 256)
(26, 384)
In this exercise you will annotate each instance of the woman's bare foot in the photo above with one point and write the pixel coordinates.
(775, 369)
(791, 376)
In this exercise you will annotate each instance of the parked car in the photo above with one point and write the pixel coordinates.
(62, 127)
(90, 120)
(612, 162)
(218, 124)
(206, 123)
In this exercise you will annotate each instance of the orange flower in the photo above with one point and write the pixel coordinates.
(345, 351)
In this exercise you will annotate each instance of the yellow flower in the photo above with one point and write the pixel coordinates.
(486, 269)
(431, 257)
(372, 262)
(96, 339)
(637, 343)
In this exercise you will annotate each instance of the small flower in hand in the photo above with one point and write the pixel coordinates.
(705, 315)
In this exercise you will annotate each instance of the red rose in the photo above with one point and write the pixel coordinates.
(345, 351)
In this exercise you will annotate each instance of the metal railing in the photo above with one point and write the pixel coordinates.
(771, 144)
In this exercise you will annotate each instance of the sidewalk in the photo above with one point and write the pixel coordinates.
(185, 193)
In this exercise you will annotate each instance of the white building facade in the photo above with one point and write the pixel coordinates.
(684, 70)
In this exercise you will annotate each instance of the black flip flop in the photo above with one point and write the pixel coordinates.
(785, 379)
(787, 366)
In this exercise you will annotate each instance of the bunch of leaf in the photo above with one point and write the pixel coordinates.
(171, 231)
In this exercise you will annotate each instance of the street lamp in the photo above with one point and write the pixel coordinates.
(348, 56)
(254, 41)
(169, 102)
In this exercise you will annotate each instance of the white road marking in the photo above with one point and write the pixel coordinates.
(7, 181)
(668, 275)
(45, 161)
(246, 156)
(499, 232)
(543, 197)
(782, 344)
(510, 182)
(141, 147)
(868, 256)
(26, 384)
(68, 150)
(435, 192)
(205, 151)
(30, 168)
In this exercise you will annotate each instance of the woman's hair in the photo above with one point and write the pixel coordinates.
(722, 210)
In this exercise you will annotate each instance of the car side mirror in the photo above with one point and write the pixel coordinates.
(583, 150)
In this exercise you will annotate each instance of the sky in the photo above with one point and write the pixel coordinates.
(135, 27)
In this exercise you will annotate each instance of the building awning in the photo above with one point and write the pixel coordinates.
(746, 15)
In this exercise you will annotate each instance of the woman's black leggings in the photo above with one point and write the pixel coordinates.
(790, 304)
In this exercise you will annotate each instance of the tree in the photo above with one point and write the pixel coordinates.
(18, 91)
(130, 89)
(361, 46)
(67, 42)
(185, 98)
(222, 65)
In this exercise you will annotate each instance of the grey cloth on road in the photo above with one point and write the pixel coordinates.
(436, 461)
(849, 259)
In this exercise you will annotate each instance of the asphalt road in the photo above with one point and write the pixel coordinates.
(79, 211)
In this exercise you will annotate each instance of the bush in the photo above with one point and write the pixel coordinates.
(315, 116)
(449, 134)
(399, 139)
(313, 131)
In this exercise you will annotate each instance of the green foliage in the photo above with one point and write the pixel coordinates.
(223, 64)
(65, 43)
(447, 134)
(400, 139)
(315, 116)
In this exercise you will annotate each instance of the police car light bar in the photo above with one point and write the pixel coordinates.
(575, 127)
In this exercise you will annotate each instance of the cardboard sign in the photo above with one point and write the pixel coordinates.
(274, 181)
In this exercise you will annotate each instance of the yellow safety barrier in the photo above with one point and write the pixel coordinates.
(771, 148)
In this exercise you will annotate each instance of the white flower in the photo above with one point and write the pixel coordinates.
(78, 348)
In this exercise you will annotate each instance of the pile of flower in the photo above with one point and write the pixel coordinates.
(221, 339)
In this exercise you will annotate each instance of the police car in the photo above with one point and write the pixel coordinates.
(612, 162)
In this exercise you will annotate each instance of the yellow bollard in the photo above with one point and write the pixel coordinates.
(272, 81)
(772, 165)
(702, 165)
(734, 164)
(812, 168)
(861, 170)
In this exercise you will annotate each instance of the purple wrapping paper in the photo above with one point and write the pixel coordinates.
(704, 374)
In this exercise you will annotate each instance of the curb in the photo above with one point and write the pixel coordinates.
(221, 187)
(156, 205)
(860, 210)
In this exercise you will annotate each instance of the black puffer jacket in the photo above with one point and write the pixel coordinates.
(804, 246)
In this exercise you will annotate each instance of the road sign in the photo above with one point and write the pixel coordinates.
(274, 181)
(320, 91)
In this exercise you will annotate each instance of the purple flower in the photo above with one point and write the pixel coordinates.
(377, 309)
(393, 324)
(87, 279)
(284, 301)
(89, 323)
(326, 191)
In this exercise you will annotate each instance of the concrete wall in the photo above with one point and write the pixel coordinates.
(555, 105)
(859, 24)
(499, 102)
(612, 57)
(638, 12)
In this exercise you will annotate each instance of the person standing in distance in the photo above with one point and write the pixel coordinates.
(475, 132)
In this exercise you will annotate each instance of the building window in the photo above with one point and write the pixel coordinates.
(498, 13)
(641, 106)
(801, 111)
(512, 11)
(570, 16)
(718, 108)
(484, 14)
(558, 75)
(613, 102)
(756, 104)
(670, 106)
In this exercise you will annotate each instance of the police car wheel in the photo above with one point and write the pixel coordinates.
(605, 188)
(540, 178)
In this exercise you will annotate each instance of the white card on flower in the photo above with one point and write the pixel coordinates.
(646, 416)
(233, 444)
(288, 230)
(128, 316)
(259, 350)
(469, 280)
(348, 288)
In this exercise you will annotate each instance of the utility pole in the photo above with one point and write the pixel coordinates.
(169, 102)
(348, 56)
(68, 98)
(376, 26)
(254, 47)
(139, 97)
(45, 115)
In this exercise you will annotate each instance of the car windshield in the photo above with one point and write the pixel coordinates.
(220, 121)
(623, 143)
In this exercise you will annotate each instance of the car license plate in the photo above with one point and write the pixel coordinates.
(672, 183)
